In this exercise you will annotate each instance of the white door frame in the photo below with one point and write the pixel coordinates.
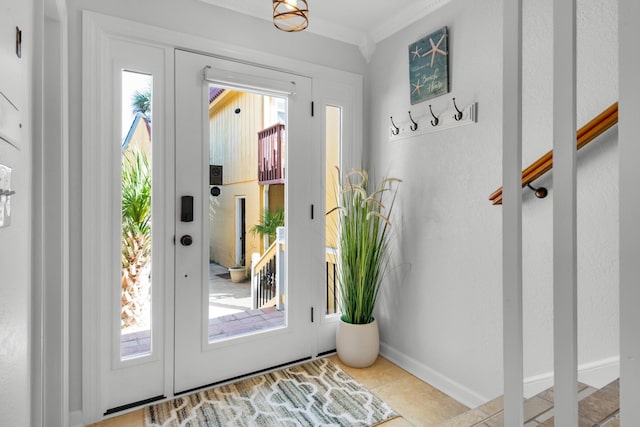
(116, 382)
(98, 30)
(336, 94)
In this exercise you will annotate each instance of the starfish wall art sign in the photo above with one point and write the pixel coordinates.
(429, 66)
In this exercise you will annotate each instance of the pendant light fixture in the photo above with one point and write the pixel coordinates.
(290, 15)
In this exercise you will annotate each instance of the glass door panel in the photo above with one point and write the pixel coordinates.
(246, 206)
(333, 135)
(136, 190)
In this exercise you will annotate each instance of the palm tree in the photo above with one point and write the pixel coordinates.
(141, 103)
(136, 235)
(269, 221)
(136, 224)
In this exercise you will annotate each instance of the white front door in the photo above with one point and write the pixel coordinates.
(202, 356)
(146, 326)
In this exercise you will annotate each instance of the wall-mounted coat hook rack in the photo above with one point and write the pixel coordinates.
(395, 130)
(414, 125)
(429, 122)
(435, 120)
(458, 115)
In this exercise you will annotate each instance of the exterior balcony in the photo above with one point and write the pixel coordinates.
(271, 157)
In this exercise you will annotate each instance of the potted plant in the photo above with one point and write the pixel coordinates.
(238, 273)
(362, 260)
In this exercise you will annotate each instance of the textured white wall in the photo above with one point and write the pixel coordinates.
(15, 241)
(597, 187)
(441, 312)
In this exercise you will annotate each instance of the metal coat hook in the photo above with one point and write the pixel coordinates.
(540, 193)
(435, 120)
(414, 126)
(396, 129)
(457, 116)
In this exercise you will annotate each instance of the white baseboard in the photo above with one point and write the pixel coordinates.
(595, 374)
(75, 419)
(443, 383)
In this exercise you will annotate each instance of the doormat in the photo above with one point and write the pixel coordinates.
(224, 276)
(317, 393)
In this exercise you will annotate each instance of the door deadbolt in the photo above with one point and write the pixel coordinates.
(186, 240)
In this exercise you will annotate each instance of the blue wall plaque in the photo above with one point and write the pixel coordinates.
(429, 66)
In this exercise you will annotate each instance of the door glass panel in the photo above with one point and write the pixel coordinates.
(246, 207)
(135, 283)
(333, 132)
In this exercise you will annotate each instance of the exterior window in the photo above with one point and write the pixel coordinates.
(135, 280)
(333, 134)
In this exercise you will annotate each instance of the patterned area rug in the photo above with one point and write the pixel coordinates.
(317, 393)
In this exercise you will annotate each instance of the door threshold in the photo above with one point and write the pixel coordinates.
(240, 377)
(133, 405)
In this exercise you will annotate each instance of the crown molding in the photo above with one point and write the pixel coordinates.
(403, 18)
(365, 40)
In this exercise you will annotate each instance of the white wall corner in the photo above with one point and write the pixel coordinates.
(458, 391)
(367, 47)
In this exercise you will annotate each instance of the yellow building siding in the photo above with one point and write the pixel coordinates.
(222, 215)
(141, 139)
(234, 145)
(234, 136)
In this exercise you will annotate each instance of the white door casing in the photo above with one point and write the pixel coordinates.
(99, 177)
(343, 96)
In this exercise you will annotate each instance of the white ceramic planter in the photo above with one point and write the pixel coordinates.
(238, 274)
(357, 345)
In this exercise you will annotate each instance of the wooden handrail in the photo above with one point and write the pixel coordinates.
(266, 256)
(585, 134)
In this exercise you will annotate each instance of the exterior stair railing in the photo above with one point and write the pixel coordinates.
(331, 282)
(267, 275)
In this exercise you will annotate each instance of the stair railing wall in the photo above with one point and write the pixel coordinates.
(565, 289)
(564, 214)
(629, 129)
(512, 214)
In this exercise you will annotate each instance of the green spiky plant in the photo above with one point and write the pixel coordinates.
(136, 233)
(270, 220)
(363, 243)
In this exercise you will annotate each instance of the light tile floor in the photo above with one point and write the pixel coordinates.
(418, 403)
(596, 408)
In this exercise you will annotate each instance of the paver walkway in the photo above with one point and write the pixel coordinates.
(230, 314)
